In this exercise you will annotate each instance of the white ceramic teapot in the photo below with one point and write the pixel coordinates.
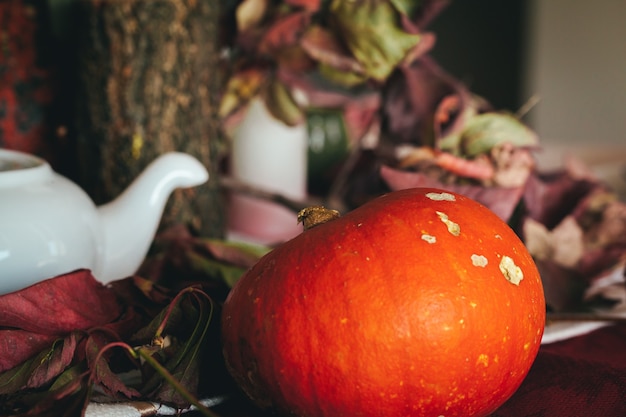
(49, 226)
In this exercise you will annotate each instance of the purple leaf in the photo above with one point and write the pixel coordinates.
(502, 201)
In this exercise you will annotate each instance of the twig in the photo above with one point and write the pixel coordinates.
(338, 186)
(232, 184)
(528, 106)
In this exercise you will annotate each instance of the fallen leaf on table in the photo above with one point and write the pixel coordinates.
(71, 301)
(51, 309)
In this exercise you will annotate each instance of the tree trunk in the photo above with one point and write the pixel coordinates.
(148, 83)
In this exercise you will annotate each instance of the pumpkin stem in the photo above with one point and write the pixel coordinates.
(316, 215)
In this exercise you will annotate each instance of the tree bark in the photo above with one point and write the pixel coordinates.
(148, 84)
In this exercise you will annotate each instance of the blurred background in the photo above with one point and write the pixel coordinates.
(565, 56)
(569, 54)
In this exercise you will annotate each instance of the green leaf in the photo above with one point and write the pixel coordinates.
(485, 131)
(341, 77)
(229, 274)
(223, 260)
(371, 31)
(236, 253)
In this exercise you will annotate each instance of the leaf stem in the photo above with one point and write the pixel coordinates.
(177, 386)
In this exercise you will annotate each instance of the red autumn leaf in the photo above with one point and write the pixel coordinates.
(284, 32)
(108, 381)
(41, 369)
(66, 398)
(324, 46)
(54, 363)
(309, 5)
(18, 345)
(59, 305)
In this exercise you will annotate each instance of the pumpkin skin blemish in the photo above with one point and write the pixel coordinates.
(479, 260)
(429, 238)
(453, 227)
(511, 272)
(441, 196)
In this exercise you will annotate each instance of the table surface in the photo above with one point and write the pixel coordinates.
(580, 376)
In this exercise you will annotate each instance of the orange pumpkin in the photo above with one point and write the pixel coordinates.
(419, 303)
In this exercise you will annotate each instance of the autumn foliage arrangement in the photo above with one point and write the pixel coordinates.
(297, 54)
(155, 336)
(409, 124)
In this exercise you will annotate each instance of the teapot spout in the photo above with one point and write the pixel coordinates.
(130, 222)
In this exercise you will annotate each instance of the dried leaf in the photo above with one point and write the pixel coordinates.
(502, 201)
(563, 287)
(235, 253)
(610, 285)
(370, 30)
(562, 245)
(452, 116)
(411, 97)
(309, 5)
(18, 345)
(242, 86)
(284, 32)
(483, 132)
(479, 168)
(610, 225)
(281, 104)
(322, 45)
(101, 374)
(182, 260)
(550, 196)
(513, 165)
(60, 305)
(250, 13)
(67, 397)
(186, 322)
(41, 369)
(202, 265)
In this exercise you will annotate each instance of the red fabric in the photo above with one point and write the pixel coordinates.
(582, 376)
